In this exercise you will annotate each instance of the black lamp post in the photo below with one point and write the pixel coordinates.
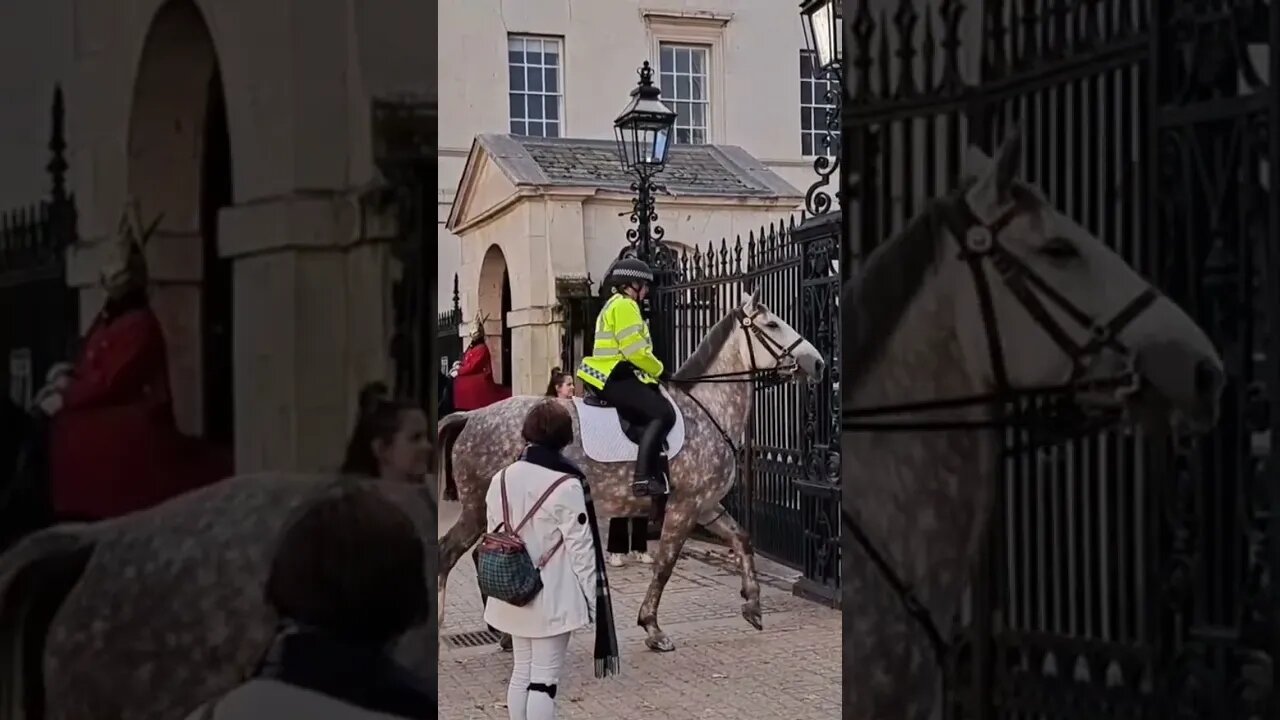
(823, 31)
(643, 132)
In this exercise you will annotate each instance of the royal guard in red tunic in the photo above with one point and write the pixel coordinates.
(114, 446)
(473, 386)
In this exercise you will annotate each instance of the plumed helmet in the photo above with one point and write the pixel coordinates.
(629, 270)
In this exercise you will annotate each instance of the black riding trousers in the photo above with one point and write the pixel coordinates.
(636, 399)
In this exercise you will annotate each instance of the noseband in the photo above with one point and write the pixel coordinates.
(980, 246)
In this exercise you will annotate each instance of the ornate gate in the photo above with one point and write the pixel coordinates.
(33, 244)
(787, 494)
(1124, 577)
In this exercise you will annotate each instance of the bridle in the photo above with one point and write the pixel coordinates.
(770, 376)
(980, 246)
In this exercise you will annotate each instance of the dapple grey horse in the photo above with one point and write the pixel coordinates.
(1060, 306)
(750, 339)
(147, 616)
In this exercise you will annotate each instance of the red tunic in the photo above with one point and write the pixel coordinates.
(114, 446)
(474, 387)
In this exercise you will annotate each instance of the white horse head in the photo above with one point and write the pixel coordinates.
(771, 344)
(1180, 374)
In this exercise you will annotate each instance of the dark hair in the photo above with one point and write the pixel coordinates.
(353, 564)
(557, 379)
(378, 419)
(548, 424)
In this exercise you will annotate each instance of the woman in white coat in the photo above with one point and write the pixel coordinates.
(575, 589)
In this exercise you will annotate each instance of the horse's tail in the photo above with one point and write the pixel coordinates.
(450, 427)
(35, 578)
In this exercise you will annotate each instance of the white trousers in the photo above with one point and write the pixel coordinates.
(537, 662)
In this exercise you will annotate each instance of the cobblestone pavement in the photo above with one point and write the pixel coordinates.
(721, 669)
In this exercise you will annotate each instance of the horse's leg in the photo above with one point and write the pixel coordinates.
(462, 535)
(726, 528)
(678, 523)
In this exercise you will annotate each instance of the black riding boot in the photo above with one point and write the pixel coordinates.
(646, 481)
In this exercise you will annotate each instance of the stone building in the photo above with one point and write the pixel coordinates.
(246, 125)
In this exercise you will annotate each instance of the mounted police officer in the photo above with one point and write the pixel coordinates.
(624, 370)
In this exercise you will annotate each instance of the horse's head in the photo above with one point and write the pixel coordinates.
(1068, 308)
(769, 343)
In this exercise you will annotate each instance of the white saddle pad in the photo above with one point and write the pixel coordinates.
(604, 441)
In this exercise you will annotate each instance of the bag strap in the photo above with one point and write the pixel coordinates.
(529, 515)
(506, 505)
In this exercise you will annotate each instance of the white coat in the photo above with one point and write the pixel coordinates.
(567, 600)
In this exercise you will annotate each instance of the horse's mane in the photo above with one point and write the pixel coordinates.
(875, 300)
(877, 297)
(700, 361)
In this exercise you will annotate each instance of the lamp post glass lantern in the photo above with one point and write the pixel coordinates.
(643, 131)
(643, 128)
(823, 27)
(822, 32)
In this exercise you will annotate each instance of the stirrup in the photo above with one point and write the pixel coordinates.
(641, 486)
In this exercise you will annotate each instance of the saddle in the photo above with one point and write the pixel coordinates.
(633, 425)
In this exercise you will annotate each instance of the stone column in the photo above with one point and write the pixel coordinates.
(308, 319)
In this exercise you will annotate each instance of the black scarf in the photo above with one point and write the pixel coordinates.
(606, 652)
(366, 677)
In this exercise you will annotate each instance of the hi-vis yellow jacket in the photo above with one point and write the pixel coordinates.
(621, 334)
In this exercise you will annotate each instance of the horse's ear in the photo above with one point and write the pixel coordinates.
(749, 302)
(992, 191)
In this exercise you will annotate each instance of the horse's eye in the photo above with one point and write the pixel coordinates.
(772, 325)
(1059, 249)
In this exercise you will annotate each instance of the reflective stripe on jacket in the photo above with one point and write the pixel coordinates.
(621, 334)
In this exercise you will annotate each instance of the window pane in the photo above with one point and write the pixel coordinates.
(517, 128)
(535, 107)
(806, 144)
(682, 60)
(515, 78)
(515, 44)
(553, 108)
(515, 58)
(697, 89)
(533, 56)
(535, 80)
(536, 129)
(551, 80)
(668, 83)
(699, 137)
(667, 61)
(698, 116)
(699, 61)
(682, 136)
(806, 65)
(517, 106)
(806, 119)
(551, 54)
(806, 93)
(682, 87)
(553, 129)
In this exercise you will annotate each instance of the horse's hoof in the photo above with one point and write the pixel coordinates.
(751, 613)
(659, 644)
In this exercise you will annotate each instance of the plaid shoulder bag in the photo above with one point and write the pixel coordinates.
(505, 571)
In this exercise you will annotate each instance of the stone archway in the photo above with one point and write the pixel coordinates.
(494, 294)
(179, 166)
